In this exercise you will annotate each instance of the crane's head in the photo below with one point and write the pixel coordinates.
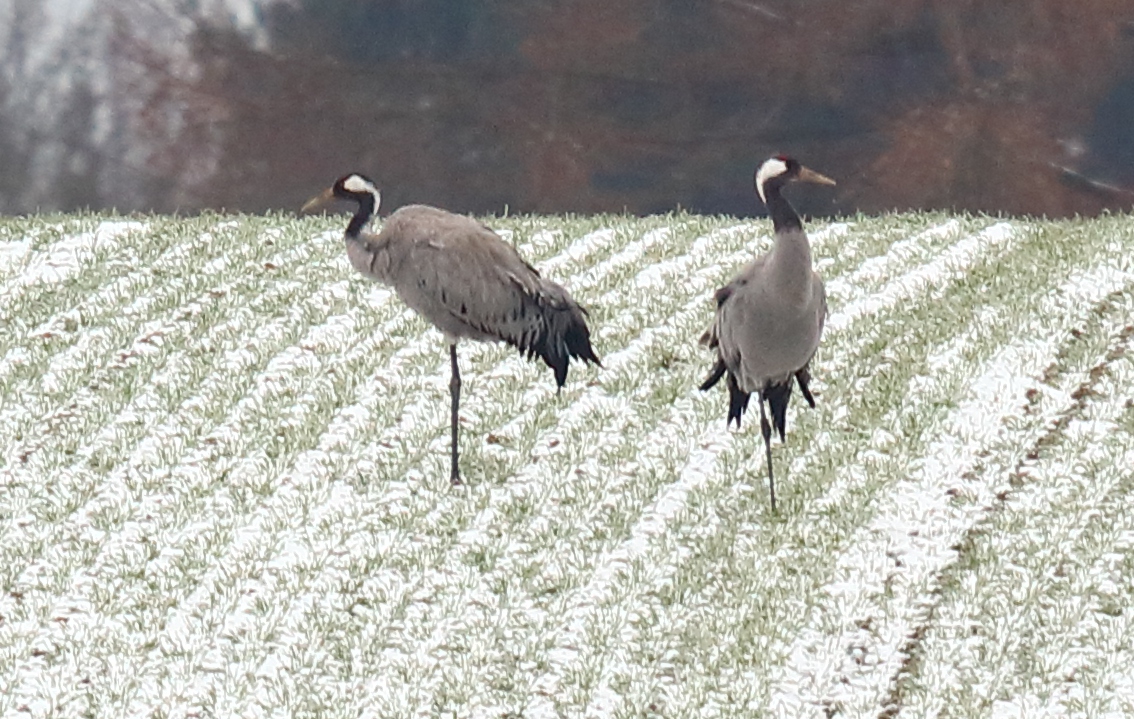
(354, 186)
(780, 170)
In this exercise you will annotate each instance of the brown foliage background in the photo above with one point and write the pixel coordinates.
(1017, 106)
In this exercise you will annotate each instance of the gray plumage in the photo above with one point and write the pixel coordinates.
(769, 319)
(468, 282)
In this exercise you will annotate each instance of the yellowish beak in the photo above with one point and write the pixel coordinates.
(319, 201)
(806, 175)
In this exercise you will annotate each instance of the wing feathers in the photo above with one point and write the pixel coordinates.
(470, 283)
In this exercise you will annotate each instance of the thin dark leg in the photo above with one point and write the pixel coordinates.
(766, 430)
(455, 392)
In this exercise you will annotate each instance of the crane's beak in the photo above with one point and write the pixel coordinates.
(319, 201)
(806, 175)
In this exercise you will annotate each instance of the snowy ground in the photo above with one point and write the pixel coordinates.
(224, 483)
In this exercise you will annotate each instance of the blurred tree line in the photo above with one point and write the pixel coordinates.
(1019, 106)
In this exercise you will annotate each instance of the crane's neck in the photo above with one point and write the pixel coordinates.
(789, 265)
(367, 205)
(783, 214)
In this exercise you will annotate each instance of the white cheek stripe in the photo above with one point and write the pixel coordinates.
(354, 183)
(771, 168)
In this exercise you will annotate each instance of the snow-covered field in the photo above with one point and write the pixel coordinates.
(224, 484)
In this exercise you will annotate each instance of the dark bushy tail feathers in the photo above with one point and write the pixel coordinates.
(715, 375)
(777, 395)
(564, 336)
(737, 401)
(559, 334)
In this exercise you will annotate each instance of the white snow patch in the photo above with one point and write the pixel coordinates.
(1070, 505)
(571, 646)
(579, 249)
(64, 259)
(824, 235)
(958, 259)
(860, 282)
(835, 661)
(13, 255)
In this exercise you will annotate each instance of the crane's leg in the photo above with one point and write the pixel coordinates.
(766, 430)
(455, 392)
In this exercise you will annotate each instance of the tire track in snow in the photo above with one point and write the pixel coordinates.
(331, 510)
(849, 654)
(775, 580)
(1050, 574)
(700, 467)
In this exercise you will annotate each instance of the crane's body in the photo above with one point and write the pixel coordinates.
(770, 318)
(788, 324)
(469, 283)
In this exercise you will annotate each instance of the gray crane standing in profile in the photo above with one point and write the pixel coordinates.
(466, 280)
(770, 317)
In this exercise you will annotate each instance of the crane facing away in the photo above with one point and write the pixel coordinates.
(770, 317)
(462, 277)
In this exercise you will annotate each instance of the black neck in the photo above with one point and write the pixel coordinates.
(783, 214)
(363, 215)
